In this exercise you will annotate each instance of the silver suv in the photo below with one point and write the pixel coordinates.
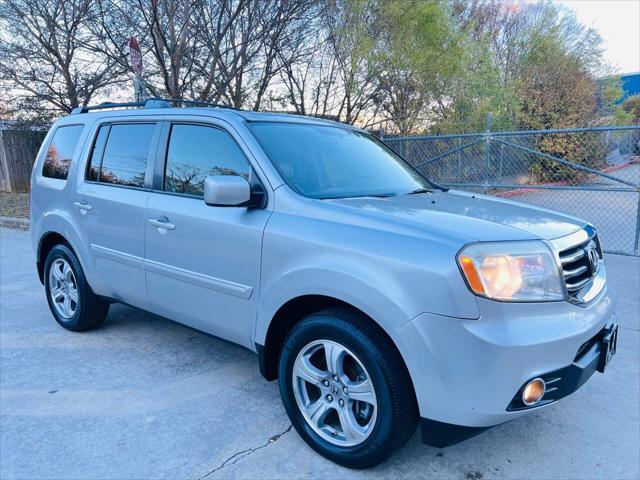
(377, 298)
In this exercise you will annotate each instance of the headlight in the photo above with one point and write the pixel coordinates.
(512, 271)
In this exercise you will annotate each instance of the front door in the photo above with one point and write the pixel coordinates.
(202, 263)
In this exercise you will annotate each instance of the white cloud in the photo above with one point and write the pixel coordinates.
(618, 22)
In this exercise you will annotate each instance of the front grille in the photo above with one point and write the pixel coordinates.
(577, 266)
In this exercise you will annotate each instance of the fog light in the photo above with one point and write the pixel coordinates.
(533, 392)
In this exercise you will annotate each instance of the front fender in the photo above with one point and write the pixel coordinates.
(344, 286)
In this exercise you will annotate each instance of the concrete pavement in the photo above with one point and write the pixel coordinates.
(143, 397)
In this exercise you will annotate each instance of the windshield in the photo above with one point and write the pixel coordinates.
(332, 162)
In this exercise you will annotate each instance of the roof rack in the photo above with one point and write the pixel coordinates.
(149, 103)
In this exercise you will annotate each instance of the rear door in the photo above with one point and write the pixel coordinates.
(109, 207)
(203, 269)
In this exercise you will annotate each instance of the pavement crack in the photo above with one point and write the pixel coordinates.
(245, 453)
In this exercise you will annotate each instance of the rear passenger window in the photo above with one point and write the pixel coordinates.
(60, 152)
(120, 154)
(196, 151)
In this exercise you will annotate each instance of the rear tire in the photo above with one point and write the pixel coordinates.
(71, 300)
(345, 388)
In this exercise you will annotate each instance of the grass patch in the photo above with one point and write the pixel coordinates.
(14, 205)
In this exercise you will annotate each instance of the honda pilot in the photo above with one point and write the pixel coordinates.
(378, 299)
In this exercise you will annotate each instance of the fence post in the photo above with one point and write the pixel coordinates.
(487, 152)
(636, 246)
(458, 176)
(500, 165)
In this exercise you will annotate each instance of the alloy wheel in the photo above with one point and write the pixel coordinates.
(334, 393)
(63, 288)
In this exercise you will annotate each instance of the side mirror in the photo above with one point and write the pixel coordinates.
(231, 191)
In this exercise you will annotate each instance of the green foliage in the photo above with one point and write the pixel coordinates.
(447, 64)
(421, 54)
(551, 75)
(476, 91)
(586, 149)
(631, 107)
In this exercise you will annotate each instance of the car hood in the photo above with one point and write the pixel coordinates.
(473, 216)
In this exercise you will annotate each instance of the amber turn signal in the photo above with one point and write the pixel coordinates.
(471, 274)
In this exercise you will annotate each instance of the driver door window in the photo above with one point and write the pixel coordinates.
(196, 151)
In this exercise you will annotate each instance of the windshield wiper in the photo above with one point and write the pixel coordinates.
(373, 195)
(380, 195)
(418, 191)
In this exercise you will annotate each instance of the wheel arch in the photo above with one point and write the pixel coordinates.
(52, 237)
(292, 312)
(47, 241)
(59, 227)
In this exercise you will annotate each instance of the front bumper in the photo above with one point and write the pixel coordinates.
(592, 355)
(467, 372)
(560, 383)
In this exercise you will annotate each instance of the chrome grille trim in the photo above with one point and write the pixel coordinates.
(575, 272)
(572, 257)
(582, 281)
(578, 285)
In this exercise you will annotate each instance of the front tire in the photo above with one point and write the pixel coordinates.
(345, 388)
(71, 300)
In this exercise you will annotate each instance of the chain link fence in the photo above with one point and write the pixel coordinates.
(592, 173)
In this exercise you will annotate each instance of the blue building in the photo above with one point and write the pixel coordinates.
(630, 85)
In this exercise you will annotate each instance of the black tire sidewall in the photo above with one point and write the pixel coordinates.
(380, 443)
(62, 251)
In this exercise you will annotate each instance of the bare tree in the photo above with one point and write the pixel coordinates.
(112, 27)
(299, 61)
(172, 28)
(330, 69)
(177, 38)
(309, 74)
(351, 28)
(44, 60)
(224, 51)
(245, 47)
(219, 19)
(287, 22)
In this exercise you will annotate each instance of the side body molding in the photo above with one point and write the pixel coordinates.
(212, 283)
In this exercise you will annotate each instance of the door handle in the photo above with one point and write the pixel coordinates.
(83, 206)
(161, 223)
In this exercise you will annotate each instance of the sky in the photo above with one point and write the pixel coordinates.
(618, 22)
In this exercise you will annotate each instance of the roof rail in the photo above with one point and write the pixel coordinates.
(88, 108)
(148, 103)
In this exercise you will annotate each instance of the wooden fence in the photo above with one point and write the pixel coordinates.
(18, 150)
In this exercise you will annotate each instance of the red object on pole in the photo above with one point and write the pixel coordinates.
(136, 56)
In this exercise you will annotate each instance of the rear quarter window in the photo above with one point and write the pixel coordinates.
(60, 151)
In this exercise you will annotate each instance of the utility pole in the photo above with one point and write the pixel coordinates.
(139, 88)
(487, 152)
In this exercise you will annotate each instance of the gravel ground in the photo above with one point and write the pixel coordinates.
(14, 205)
(143, 397)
